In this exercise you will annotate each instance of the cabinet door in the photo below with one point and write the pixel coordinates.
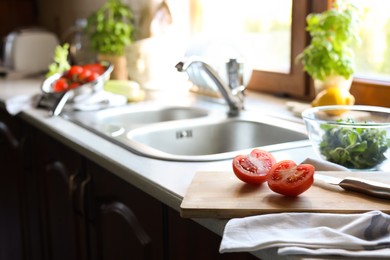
(125, 223)
(60, 174)
(189, 240)
(10, 174)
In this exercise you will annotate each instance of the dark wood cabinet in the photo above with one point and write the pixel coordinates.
(11, 242)
(87, 212)
(56, 204)
(191, 241)
(124, 222)
(58, 172)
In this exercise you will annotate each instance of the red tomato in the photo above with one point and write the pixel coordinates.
(96, 67)
(254, 167)
(74, 71)
(74, 85)
(83, 76)
(288, 178)
(93, 76)
(60, 85)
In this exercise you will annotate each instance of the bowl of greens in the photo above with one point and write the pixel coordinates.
(356, 137)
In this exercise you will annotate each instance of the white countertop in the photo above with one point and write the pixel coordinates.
(167, 181)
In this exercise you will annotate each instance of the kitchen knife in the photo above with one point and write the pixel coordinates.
(371, 188)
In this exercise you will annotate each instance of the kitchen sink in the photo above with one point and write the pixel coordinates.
(210, 140)
(180, 133)
(115, 121)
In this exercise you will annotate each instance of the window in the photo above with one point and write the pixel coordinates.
(267, 33)
(263, 28)
(373, 53)
(273, 42)
(371, 84)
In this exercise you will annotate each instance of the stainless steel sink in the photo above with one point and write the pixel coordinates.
(179, 133)
(210, 140)
(115, 121)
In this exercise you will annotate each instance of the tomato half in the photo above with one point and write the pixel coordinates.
(288, 178)
(254, 167)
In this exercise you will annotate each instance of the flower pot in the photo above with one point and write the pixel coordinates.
(332, 81)
(120, 65)
(334, 90)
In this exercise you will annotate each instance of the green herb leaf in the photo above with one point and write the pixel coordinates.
(333, 34)
(60, 60)
(354, 147)
(111, 28)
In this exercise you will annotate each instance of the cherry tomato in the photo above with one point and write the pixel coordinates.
(254, 167)
(83, 76)
(74, 71)
(93, 76)
(96, 67)
(74, 85)
(60, 85)
(288, 178)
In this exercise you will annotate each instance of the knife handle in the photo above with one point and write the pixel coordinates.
(375, 189)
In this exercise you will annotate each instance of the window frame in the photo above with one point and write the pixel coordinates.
(297, 83)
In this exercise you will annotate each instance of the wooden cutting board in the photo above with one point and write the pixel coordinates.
(219, 194)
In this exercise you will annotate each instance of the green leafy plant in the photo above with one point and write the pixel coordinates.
(333, 34)
(111, 28)
(60, 60)
(357, 148)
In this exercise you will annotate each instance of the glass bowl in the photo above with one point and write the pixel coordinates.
(356, 137)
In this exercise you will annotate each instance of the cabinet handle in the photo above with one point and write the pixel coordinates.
(131, 219)
(80, 202)
(58, 166)
(8, 136)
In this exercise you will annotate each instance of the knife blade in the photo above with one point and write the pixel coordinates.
(368, 187)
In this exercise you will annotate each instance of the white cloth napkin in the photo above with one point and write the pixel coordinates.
(21, 102)
(352, 235)
(322, 165)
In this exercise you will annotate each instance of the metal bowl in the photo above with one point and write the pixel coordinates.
(82, 91)
(47, 85)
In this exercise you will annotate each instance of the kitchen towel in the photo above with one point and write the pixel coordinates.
(353, 235)
(16, 104)
(322, 165)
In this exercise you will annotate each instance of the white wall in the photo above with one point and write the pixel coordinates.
(59, 15)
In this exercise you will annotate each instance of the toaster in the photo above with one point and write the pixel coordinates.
(29, 50)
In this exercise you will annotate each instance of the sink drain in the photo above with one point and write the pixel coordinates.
(183, 134)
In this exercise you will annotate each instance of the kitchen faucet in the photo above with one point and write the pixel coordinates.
(233, 92)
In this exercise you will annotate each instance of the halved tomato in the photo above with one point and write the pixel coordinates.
(288, 178)
(253, 168)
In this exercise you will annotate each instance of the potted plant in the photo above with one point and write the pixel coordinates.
(329, 58)
(110, 30)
